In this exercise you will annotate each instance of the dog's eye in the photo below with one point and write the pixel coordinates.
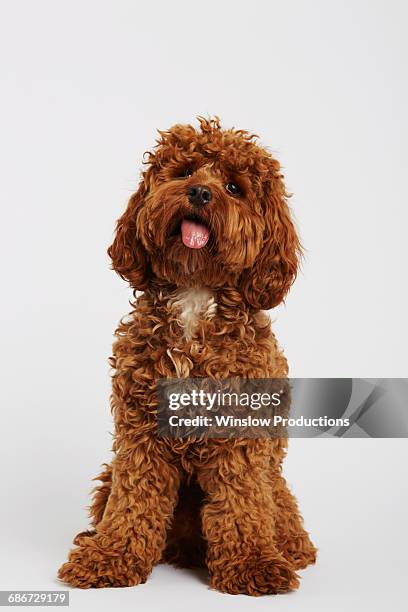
(187, 172)
(233, 188)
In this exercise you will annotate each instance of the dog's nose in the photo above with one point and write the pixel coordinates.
(199, 195)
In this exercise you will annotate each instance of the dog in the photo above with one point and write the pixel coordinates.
(209, 241)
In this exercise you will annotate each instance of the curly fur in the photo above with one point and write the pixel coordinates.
(219, 503)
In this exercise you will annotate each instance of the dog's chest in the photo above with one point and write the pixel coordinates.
(191, 307)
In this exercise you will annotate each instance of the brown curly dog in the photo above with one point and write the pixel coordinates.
(209, 240)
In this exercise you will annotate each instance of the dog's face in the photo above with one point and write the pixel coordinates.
(210, 211)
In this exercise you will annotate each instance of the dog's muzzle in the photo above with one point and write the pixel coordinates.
(199, 195)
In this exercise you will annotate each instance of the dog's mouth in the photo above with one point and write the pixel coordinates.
(193, 230)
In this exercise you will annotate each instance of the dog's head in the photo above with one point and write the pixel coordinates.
(210, 211)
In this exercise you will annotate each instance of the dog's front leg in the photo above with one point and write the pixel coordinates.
(131, 536)
(239, 521)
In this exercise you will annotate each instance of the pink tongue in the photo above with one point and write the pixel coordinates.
(194, 235)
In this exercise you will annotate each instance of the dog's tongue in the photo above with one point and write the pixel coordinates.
(194, 235)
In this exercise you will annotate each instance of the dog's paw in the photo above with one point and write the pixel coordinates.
(300, 552)
(88, 567)
(256, 577)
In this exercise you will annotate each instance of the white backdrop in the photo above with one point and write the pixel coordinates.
(84, 86)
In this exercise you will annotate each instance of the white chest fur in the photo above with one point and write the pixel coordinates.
(193, 305)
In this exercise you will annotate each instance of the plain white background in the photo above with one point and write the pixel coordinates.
(84, 87)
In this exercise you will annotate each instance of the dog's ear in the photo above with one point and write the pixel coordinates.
(265, 285)
(129, 257)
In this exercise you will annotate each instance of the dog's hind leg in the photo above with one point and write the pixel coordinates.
(100, 497)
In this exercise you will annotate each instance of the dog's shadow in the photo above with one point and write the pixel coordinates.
(199, 573)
